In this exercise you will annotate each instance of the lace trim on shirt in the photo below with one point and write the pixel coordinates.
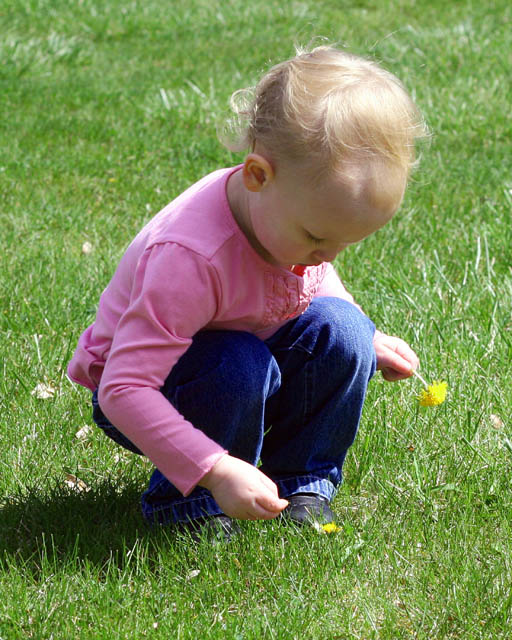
(286, 297)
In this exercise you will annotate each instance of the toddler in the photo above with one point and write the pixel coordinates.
(225, 339)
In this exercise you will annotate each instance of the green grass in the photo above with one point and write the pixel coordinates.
(107, 111)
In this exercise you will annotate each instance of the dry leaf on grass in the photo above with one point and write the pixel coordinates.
(75, 483)
(193, 574)
(84, 432)
(496, 421)
(43, 391)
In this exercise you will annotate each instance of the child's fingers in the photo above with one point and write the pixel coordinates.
(396, 368)
(392, 376)
(272, 504)
(402, 365)
(396, 361)
(407, 354)
(269, 484)
(268, 507)
(242, 491)
(395, 357)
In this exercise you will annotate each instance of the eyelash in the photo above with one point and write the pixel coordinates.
(313, 239)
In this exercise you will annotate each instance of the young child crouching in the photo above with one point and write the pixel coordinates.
(225, 339)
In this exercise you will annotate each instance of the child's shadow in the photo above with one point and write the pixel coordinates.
(65, 526)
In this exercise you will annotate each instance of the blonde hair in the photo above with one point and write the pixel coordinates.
(330, 108)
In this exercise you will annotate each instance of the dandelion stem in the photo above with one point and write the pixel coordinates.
(420, 378)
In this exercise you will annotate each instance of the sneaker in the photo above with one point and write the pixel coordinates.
(308, 508)
(218, 528)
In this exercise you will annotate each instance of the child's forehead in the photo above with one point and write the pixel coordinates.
(379, 185)
(351, 205)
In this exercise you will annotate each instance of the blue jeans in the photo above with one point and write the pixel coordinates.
(291, 403)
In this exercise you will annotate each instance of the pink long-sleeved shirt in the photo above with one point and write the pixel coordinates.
(190, 268)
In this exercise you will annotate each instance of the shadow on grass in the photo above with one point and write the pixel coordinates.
(98, 526)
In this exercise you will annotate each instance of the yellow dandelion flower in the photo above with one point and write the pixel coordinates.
(331, 527)
(433, 395)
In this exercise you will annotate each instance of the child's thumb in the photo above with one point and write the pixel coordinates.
(272, 503)
(278, 504)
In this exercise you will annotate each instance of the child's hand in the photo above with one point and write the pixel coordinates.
(242, 491)
(395, 358)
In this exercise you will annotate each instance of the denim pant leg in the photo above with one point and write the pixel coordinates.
(220, 385)
(326, 358)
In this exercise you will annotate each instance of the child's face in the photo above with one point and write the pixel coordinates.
(292, 222)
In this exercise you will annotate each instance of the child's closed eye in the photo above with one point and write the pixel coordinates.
(313, 238)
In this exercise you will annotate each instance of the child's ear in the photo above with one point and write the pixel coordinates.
(257, 172)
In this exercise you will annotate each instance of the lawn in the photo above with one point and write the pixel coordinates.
(108, 110)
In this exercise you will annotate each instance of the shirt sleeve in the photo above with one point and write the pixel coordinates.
(332, 286)
(174, 295)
